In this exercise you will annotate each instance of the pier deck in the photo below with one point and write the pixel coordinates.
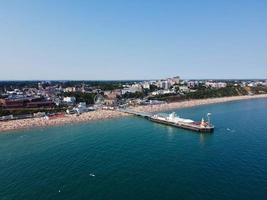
(189, 126)
(141, 114)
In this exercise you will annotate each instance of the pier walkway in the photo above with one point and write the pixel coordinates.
(141, 114)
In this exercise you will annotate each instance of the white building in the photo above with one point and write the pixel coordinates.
(136, 88)
(146, 85)
(165, 84)
(192, 84)
(221, 85)
(176, 79)
(132, 89)
(69, 89)
(81, 108)
(160, 92)
(184, 89)
(69, 100)
(215, 84)
(253, 84)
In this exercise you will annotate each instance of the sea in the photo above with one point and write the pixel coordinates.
(132, 158)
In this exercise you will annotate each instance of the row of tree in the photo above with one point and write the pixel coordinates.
(203, 93)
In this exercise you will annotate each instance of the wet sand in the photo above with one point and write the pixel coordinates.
(107, 114)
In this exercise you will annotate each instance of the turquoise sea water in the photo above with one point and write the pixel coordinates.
(131, 158)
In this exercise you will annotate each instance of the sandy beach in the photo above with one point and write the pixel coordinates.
(67, 119)
(107, 114)
(195, 102)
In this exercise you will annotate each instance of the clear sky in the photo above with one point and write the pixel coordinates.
(132, 39)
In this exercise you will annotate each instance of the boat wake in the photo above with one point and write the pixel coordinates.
(230, 130)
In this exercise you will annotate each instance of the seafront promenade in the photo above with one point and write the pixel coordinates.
(107, 114)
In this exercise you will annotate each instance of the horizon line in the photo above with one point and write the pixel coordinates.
(5, 80)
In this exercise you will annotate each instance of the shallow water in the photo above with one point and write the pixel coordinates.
(132, 158)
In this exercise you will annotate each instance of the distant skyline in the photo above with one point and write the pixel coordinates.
(132, 40)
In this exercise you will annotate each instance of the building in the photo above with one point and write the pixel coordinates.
(221, 85)
(111, 97)
(136, 88)
(164, 84)
(112, 93)
(132, 89)
(192, 84)
(40, 86)
(162, 92)
(111, 101)
(70, 89)
(81, 108)
(69, 100)
(176, 79)
(146, 85)
(215, 84)
(184, 89)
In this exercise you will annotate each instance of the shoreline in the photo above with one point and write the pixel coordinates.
(194, 103)
(109, 114)
(24, 124)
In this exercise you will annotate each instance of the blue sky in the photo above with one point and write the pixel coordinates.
(121, 39)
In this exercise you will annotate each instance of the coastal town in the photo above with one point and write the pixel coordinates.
(41, 103)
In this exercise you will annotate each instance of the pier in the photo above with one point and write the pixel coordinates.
(173, 120)
(140, 114)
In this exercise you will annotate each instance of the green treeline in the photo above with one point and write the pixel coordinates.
(203, 93)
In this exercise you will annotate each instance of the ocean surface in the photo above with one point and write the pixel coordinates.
(132, 158)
